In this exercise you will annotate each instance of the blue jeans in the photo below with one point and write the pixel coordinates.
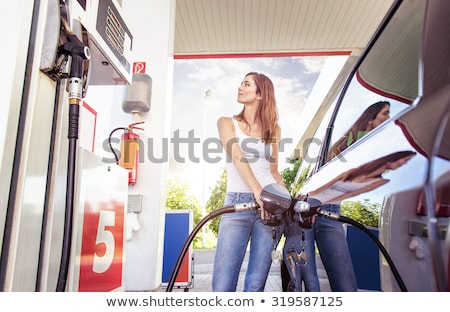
(235, 231)
(301, 273)
(334, 253)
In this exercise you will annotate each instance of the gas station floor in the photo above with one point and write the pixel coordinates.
(202, 274)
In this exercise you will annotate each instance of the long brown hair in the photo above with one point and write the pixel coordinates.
(267, 113)
(369, 114)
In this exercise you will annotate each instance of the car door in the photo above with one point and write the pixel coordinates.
(400, 66)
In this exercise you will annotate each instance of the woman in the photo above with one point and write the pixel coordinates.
(329, 234)
(251, 142)
(371, 118)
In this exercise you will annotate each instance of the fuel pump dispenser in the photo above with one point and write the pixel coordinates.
(85, 55)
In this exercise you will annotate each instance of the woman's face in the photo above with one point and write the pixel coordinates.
(247, 91)
(381, 117)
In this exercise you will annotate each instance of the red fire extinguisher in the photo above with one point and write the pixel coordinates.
(129, 152)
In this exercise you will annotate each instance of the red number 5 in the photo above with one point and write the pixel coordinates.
(101, 259)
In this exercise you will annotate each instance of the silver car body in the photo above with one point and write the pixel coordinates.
(407, 63)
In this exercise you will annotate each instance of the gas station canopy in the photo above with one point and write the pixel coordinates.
(227, 28)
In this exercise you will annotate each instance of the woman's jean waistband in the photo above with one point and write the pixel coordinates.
(232, 198)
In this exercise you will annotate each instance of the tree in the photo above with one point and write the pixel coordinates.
(288, 174)
(364, 212)
(178, 198)
(216, 201)
(290, 178)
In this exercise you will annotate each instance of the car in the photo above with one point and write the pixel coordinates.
(407, 63)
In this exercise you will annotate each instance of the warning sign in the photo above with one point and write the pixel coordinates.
(139, 67)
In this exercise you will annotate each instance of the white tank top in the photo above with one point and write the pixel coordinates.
(258, 156)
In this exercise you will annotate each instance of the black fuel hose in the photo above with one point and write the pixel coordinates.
(74, 115)
(79, 53)
(253, 205)
(383, 250)
(212, 215)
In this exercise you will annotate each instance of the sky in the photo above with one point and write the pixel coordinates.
(206, 89)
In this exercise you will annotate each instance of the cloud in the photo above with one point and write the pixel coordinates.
(313, 64)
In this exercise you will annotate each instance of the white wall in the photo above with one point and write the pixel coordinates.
(152, 24)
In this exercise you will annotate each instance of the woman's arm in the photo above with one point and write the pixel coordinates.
(329, 184)
(364, 189)
(274, 159)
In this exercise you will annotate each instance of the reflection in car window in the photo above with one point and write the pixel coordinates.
(389, 72)
(314, 144)
(356, 101)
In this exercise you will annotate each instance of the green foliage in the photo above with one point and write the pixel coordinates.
(290, 178)
(216, 201)
(178, 198)
(301, 180)
(364, 212)
(288, 174)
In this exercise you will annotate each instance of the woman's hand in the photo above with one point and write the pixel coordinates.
(260, 203)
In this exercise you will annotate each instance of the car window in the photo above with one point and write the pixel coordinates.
(310, 160)
(389, 72)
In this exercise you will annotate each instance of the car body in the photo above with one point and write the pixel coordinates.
(407, 62)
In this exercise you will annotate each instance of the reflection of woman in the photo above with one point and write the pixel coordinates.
(371, 118)
(329, 234)
(360, 180)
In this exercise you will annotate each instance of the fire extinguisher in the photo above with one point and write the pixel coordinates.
(129, 151)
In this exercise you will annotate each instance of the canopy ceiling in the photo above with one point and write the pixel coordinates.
(212, 28)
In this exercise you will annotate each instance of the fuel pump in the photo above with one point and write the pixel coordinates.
(80, 49)
(73, 52)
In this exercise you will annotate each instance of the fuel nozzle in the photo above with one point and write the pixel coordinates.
(277, 201)
(79, 52)
(304, 211)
